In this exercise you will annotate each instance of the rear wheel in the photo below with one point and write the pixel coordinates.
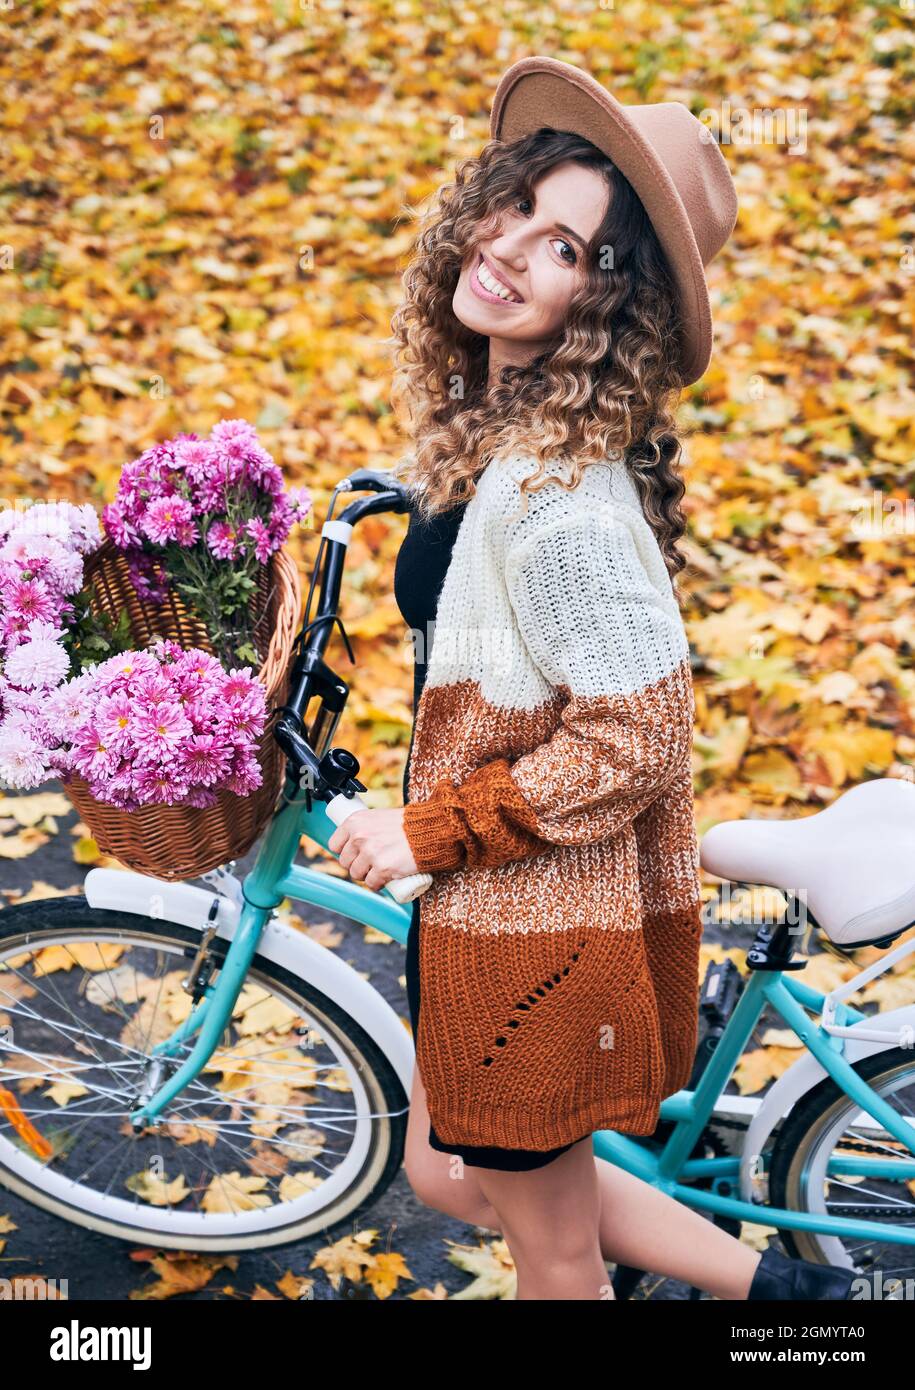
(822, 1127)
(296, 1124)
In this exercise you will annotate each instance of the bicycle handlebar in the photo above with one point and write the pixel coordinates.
(403, 890)
(333, 776)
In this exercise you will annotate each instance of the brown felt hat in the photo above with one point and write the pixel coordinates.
(669, 157)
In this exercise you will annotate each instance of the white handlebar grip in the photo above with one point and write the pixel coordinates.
(402, 890)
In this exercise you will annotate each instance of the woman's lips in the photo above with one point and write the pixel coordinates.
(483, 293)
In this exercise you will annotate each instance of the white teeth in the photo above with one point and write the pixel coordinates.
(489, 282)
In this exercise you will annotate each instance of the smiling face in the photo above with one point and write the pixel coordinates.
(515, 288)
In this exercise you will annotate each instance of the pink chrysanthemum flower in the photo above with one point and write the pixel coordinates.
(20, 711)
(60, 762)
(202, 798)
(239, 684)
(195, 457)
(40, 565)
(271, 480)
(157, 785)
(23, 760)
(122, 529)
(38, 629)
(85, 531)
(42, 557)
(119, 788)
(245, 721)
(259, 467)
(113, 796)
(38, 664)
(205, 760)
(187, 533)
(300, 501)
(158, 731)
(76, 528)
(152, 689)
(223, 540)
(234, 430)
(113, 720)
(233, 459)
(263, 541)
(202, 666)
(71, 706)
(28, 599)
(92, 758)
(13, 550)
(117, 671)
(165, 517)
(246, 776)
(205, 710)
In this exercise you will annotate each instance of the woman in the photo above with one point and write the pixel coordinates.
(554, 310)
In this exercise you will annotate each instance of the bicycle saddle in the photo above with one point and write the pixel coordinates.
(856, 860)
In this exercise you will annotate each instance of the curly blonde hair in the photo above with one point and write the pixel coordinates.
(608, 383)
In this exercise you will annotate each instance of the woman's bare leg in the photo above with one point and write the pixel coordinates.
(550, 1219)
(441, 1181)
(643, 1227)
(638, 1225)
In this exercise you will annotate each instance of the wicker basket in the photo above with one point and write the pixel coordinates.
(177, 842)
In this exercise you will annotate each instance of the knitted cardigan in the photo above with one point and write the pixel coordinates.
(551, 799)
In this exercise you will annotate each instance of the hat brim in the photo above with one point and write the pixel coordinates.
(541, 91)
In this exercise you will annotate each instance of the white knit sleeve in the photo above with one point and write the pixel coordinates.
(597, 615)
(595, 608)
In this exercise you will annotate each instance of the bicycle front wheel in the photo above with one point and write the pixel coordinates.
(296, 1124)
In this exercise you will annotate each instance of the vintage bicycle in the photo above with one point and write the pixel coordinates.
(181, 1067)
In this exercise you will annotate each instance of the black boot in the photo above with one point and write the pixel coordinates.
(779, 1277)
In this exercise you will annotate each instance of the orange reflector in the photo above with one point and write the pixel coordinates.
(23, 1125)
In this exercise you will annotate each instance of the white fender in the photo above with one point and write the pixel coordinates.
(802, 1077)
(145, 896)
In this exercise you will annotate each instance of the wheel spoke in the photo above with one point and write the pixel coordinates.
(285, 1111)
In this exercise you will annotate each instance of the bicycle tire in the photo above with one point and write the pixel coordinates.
(52, 915)
(797, 1135)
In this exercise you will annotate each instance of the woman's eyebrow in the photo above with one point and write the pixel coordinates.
(561, 227)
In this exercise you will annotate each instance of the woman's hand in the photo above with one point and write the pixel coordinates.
(372, 847)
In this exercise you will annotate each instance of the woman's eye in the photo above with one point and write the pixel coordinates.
(569, 255)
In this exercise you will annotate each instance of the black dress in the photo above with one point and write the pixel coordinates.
(419, 573)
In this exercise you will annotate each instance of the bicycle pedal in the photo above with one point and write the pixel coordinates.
(722, 987)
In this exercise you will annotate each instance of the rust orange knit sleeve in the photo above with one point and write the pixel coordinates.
(596, 612)
(483, 822)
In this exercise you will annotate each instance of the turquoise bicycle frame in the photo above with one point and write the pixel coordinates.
(274, 877)
(666, 1165)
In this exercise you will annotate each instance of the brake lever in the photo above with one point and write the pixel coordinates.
(373, 480)
(368, 480)
(333, 781)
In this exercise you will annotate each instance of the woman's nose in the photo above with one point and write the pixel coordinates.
(508, 249)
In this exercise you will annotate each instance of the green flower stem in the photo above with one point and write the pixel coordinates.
(200, 570)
